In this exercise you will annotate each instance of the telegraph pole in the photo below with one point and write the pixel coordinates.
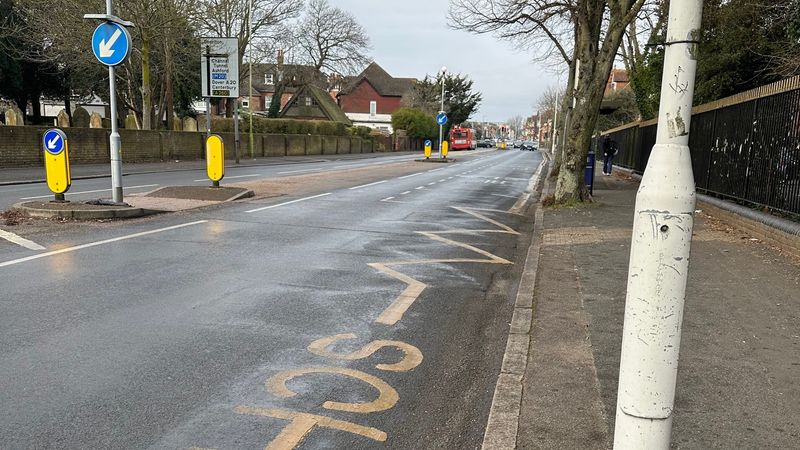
(659, 261)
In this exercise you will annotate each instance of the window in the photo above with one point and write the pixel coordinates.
(309, 101)
(268, 78)
(373, 108)
(267, 102)
(245, 104)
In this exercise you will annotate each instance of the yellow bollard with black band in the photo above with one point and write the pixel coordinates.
(445, 148)
(56, 162)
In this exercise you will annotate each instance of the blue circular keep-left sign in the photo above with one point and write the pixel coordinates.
(441, 119)
(53, 141)
(428, 143)
(111, 43)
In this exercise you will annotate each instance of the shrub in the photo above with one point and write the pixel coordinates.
(416, 122)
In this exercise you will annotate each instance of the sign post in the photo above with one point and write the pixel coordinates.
(219, 60)
(441, 119)
(111, 45)
(56, 162)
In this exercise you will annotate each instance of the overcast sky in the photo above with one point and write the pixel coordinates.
(410, 38)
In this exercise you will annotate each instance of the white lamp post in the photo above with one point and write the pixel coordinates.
(442, 74)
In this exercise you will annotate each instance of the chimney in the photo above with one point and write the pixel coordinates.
(280, 57)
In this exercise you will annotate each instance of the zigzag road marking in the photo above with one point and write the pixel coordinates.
(395, 311)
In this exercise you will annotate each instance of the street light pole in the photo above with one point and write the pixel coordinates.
(442, 73)
(250, 71)
(659, 261)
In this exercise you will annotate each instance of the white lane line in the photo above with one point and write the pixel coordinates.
(409, 176)
(442, 180)
(387, 199)
(486, 181)
(299, 171)
(431, 183)
(406, 192)
(88, 192)
(19, 240)
(367, 185)
(436, 170)
(288, 203)
(229, 177)
(419, 187)
(94, 244)
(503, 182)
(449, 178)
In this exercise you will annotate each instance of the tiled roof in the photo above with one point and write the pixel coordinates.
(385, 84)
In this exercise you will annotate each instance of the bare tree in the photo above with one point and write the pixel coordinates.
(253, 22)
(331, 39)
(516, 123)
(589, 31)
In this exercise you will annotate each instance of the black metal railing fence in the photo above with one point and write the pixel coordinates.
(745, 148)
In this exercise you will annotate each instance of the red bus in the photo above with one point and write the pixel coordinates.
(462, 139)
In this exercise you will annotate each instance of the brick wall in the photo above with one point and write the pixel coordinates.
(22, 146)
(357, 101)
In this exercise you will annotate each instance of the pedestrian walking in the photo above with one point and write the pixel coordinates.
(609, 151)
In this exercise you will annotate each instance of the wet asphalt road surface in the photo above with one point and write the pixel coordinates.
(373, 316)
(133, 183)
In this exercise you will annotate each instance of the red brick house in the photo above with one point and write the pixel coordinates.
(370, 98)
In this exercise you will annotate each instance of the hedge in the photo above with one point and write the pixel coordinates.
(287, 126)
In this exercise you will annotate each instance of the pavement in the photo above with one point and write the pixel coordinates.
(740, 350)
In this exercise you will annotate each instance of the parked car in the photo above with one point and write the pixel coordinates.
(528, 145)
(487, 143)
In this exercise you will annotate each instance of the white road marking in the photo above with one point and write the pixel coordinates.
(288, 203)
(94, 244)
(431, 183)
(387, 199)
(406, 192)
(420, 187)
(486, 181)
(442, 180)
(299, 171)
(409, 176)
(366, 185)
(19, 240)
(449, 178)
(436, 170)
(229, 177)
(503, 182)
(88, 192)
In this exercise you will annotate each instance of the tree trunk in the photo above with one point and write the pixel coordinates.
(147, 89)
(596, 65)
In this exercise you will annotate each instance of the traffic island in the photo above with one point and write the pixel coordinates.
(80, 210)
(436, 160)
(180, 198)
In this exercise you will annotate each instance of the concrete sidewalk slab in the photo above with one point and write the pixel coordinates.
(740, 354)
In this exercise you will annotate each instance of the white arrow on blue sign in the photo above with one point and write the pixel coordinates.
(111, 43)
(428, 143)
(53, 141)
(441, 119)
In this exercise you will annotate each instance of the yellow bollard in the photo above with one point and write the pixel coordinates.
(215, 159)
(56, 162)
(445, 147)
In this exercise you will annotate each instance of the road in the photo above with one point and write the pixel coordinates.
(93, 188)
(371, 316)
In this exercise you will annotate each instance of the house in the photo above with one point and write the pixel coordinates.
(311, 102)
(617, 80)
(370, 98)
(268, 77)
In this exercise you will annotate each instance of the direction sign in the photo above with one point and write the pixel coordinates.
(111, 43)
(219, 58)
(428, 143)
(53, 141)
(441, 119)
